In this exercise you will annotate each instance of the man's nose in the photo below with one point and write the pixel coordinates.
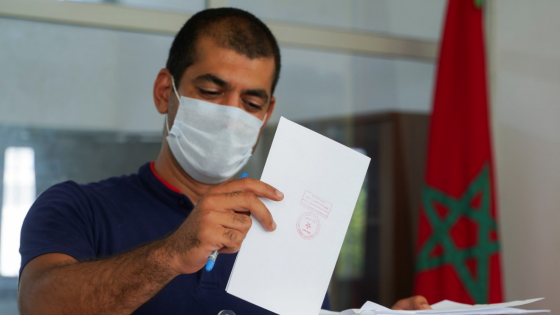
(232, 99)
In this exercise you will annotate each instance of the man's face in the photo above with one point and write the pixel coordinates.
(222, 76)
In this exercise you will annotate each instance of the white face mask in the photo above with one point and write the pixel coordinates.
(211, 142)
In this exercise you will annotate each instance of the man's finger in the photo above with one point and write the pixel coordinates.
(417, 302)
(233, 220)
(240, 201)
(260, 189)
(231, 240)
(420, 303)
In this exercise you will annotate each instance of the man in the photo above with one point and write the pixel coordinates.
(138, 244)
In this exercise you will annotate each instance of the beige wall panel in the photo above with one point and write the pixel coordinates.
(525, 56)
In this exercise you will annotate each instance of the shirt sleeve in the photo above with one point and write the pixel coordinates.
(326, 303)
(59, 221)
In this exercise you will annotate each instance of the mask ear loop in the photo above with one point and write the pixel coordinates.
(166, 123)
(175, 89)
(178, 98)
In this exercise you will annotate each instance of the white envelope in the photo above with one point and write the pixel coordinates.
(288, 271)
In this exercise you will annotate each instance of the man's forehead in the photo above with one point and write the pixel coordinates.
(205, 45)
(221, 59)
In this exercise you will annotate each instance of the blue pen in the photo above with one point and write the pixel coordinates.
(212, 258)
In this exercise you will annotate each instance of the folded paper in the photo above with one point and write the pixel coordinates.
(288, 271)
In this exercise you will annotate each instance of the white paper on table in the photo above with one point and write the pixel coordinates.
(450, 307)
(447, 305)
(288, 271)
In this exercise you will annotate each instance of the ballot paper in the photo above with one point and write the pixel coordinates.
(445, 307)
(288, 271)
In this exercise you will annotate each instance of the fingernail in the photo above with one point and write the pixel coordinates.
(273, 225)
(426, 307)
(279, 194)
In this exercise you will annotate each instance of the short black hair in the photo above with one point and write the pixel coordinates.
(231, 28)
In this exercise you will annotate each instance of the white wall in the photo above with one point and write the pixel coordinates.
(404, 18)
(318, 84)
(525, 64)
(74, 77)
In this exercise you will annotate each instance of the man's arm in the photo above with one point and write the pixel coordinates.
(58, 284)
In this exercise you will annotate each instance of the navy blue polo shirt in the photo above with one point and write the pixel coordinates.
(109, 217)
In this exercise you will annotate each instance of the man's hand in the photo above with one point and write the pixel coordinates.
(417, 302)
(220, 221)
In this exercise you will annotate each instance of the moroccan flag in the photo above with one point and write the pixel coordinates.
(458, 251)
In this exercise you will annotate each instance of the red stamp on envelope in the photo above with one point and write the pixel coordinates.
(316, 204)
(308, 226)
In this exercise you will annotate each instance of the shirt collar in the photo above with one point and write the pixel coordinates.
(162, 189)
(163, 181)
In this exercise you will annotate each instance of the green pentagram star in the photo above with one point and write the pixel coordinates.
(481, 252)
(478, 3)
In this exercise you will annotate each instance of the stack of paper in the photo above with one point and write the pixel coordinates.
(288, 271)
(446, 307)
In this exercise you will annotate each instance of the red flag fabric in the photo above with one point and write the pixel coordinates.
(458, 251)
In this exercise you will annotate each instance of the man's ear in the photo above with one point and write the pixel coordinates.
(163, 88)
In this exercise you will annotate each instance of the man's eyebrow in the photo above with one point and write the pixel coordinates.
(258, 93)
(211, 78)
